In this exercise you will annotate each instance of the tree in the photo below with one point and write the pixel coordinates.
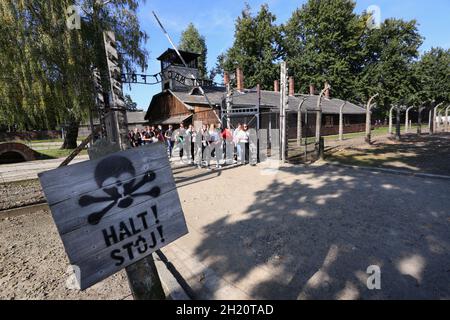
(322, 43)
(130, 104)
(49, 68)
(256, 48)
(390, 53)
(45, 67)
(433, 76)
(192, 41)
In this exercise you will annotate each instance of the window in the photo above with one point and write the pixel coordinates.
(329, 121)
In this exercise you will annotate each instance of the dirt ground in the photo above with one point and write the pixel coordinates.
(20, 193)
(424, 154)
(33, 264)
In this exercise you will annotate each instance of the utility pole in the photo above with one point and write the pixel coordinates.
(283, 107)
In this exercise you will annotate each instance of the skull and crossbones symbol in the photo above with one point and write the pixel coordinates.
(115, 176)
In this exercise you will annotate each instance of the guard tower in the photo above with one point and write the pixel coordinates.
(174, 74)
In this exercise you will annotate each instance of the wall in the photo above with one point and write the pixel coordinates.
(30, 135)
(165, 106)
(352, 124)
(16, 152)
(205, 115)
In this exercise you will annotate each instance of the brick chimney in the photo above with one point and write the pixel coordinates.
(226, 78)
(291, 86)
(240, 79)
(276, 86)
(312, 89)
(327, 92)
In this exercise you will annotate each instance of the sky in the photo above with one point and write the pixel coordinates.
(215, 19)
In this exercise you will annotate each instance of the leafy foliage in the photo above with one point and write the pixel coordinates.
(256, 48)
(322, 42)
(433, 76)
(47, 68)
(192, 41)
(326, 41)
(390, 53)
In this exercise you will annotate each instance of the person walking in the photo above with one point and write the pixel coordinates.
(214, 146)
(242, 139)
(137, 137)
(181, 139)
(169, 140)
(191, 136)
(228, 146)
(204, 136)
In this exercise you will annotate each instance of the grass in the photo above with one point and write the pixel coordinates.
(381, 131)
(44, 141)
(424, 153)
(376, 132)
(59, 153)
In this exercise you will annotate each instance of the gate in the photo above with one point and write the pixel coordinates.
(301, 143)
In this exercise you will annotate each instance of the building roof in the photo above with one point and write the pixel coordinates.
(171, 54)
(269, 99)
(136, 117)
(193, 96)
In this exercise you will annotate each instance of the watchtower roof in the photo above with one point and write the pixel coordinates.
(170, 55)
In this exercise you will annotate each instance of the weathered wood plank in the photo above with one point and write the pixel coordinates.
(166, 210)
(82, 175)
(114, 211)
(66, 212)
(103, 265)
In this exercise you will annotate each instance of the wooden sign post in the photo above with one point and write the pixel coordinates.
(114, 211)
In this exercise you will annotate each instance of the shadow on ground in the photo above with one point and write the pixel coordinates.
(318, 232)
(427, 154)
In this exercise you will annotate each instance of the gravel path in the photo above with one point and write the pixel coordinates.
(21, 193)
(33, 264)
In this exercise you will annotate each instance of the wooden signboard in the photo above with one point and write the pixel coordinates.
(114, 211)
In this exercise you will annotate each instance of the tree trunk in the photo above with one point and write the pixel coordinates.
(70, 139)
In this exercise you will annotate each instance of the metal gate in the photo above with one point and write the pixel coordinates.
(301, 144)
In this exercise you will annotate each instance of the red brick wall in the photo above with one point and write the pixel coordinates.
(30, 135)
(357, 124)
(27, 153)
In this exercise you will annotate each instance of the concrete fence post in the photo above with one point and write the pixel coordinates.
(391, 111)
(407, 120)
(369, 119)
(341, 122)
(447, 120)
